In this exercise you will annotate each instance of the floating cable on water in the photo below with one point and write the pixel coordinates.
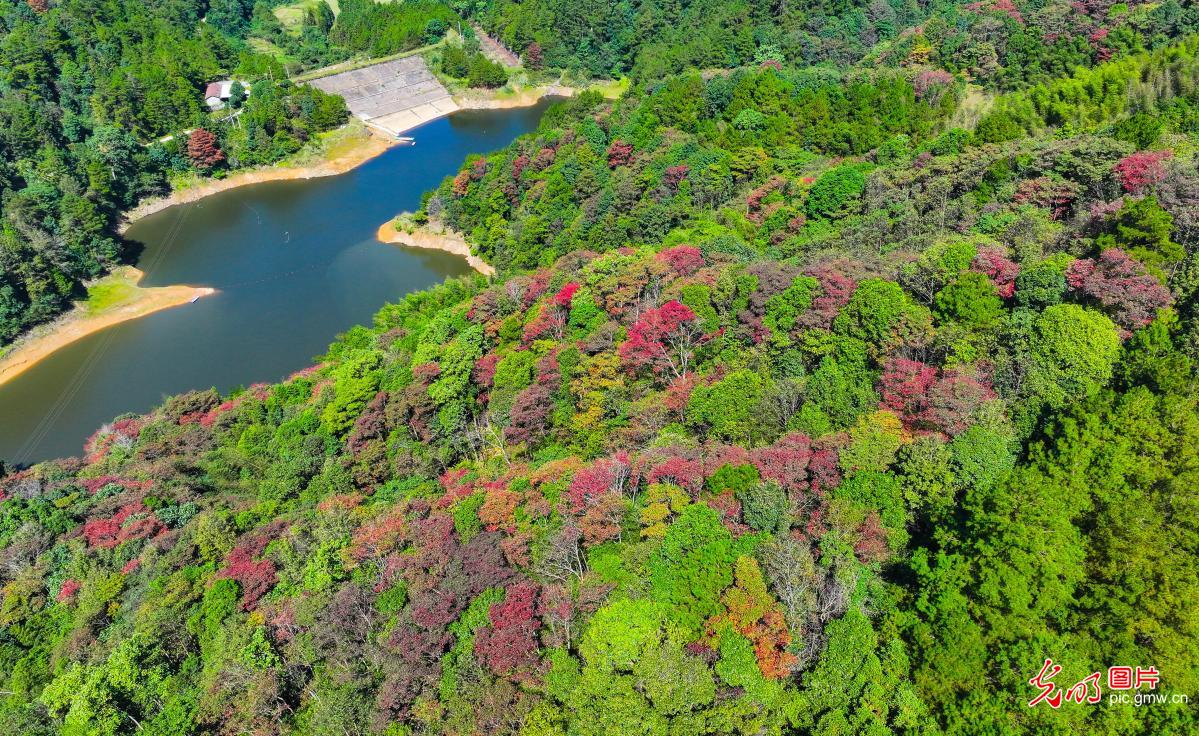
(251, 208)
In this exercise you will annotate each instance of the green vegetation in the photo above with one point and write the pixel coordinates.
(110, 291)
(794, 409)
(80, 129)
(379, 29)
(466, 62)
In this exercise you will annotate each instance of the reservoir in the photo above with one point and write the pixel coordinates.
(294, 263)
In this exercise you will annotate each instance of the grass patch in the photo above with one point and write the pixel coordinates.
(112, 291)
(291, 17)
(265, 47)
(184, 180)
(329, 145)
(611, 88)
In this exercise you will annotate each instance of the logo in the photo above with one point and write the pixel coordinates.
(1126, 684)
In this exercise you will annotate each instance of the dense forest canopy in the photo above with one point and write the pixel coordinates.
(999, 43)
(830, 385)
(805, 402)
(86, 82)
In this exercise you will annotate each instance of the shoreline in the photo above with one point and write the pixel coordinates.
(45, 340)
(429, 238)
(366, 145)
(462, 100)
(527, 97)
(361, 144)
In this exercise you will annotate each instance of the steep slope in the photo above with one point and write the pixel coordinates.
(791, 411)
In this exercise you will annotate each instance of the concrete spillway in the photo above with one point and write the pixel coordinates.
(393, 96)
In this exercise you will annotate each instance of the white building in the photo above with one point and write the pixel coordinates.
(216, 93)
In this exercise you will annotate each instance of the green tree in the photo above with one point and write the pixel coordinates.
(1041, 284)
(970, 298)
(693, 566)
(765, 507)
(836, 193)
(882, 316)
(1142, 227)
(1140, 129)
(1072, 353)
(729, 407)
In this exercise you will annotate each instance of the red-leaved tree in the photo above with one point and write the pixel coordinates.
(683, 472)
(1057, 196)
(664, 339)
(255, 578)
(509, 645)
(608, 475)
(1121, 286)
(925, 400)
(1003, 272)
(786, 461)
(619, 154)
(836, 288)
(1142, 170)
(68, 590)
(534, 59)
(565, 295)
(930, 85)
(461, 183)
(953, 400)
(904, 385)
(529, 415)
(682, 259)
(203, 150)
(675, 175)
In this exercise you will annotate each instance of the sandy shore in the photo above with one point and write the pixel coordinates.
(404, 121)
(364, 145)
(484, 100)
(434, 237)
(358, 145)
(134, 301)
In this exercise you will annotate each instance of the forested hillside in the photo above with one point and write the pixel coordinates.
(999, 43)
(87, 86)
(87, 89)
(806, 401)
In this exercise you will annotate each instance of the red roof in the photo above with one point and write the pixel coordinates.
(212, 90)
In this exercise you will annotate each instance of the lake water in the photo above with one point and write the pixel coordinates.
(295, 263)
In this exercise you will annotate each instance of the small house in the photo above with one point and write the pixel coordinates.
(216, 94)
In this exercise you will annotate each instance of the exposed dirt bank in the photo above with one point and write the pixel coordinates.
(352, 148)
(434, 237)
(122, 300)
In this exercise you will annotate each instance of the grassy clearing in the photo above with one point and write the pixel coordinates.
(114, 290)
(263, 46)
(329, 145)
(611, 88)
(292, 16)
(975, 104)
